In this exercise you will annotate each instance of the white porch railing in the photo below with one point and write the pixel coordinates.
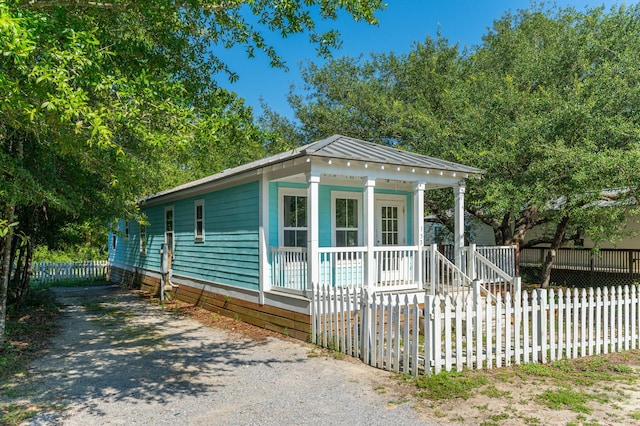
(289, 268)
(504, 257)
(342, 266)
(442, 276)
(493, 277)
(394, 268)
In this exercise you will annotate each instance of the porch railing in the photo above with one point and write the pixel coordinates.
(395, 267)
(493, 274)
(342, 266)
(289, 268)
(504, 257)
(442, 276)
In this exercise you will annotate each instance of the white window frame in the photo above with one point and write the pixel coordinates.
(143, 239)
(335, 195)
(295, 192)
(173, 229)
(198, 238)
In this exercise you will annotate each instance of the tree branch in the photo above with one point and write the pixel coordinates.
(111, 6)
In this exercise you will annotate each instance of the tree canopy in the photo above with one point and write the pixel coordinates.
(106, 102)
(547, 105)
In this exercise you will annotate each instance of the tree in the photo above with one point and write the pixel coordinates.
(546, 105)
(105, 102)
(551, 98)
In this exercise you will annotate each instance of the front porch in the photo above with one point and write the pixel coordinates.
(398, 268)
(345, 212)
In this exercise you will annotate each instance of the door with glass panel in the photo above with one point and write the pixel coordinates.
(392, 264)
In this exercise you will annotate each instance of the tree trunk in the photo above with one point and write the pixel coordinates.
(6, 269)
(502, 233)
(545, 275)
(527, 220)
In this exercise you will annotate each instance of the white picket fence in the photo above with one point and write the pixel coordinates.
(51, 272)
(399, 332)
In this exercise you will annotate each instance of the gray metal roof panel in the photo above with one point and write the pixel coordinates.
(336, 146)
(354, 149)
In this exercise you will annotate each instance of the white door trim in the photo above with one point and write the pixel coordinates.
(392, 200)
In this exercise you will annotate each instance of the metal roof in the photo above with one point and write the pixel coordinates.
(336, 147)
(347, 148)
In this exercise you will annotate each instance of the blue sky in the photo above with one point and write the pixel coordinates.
(400, 25)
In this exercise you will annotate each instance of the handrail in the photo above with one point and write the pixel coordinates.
(487, 263)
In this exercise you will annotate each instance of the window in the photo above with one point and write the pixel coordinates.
(168, 229)
(114, 240)
(346, 222)
(143, 239)
(198, 232)
(346, 219)
(126, 229)
(294, 217)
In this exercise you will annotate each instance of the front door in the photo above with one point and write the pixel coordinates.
(391, 231)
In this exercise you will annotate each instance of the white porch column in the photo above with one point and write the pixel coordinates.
(265, 267)
(458, 237)
(369, 231)
(313, 261)
(418, 229)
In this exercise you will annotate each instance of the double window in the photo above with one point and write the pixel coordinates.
(345, 220)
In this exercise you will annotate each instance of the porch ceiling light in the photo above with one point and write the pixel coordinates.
(413, 170)
(453, 174)
(382, 167)
(330, 161)
(366, 165)
(398, 168)
(308, 159)
(441, 172)
(348, 163)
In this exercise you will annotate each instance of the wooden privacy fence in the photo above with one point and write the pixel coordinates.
(404, 334)
(51, 272)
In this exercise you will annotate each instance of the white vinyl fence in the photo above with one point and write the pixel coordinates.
(51, 272)
(399, 332)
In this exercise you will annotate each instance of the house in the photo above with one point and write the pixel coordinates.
(250, 242)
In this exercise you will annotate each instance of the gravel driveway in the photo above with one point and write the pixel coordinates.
(121, 360)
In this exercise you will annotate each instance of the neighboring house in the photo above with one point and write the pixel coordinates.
(250, 241)
(476, 232)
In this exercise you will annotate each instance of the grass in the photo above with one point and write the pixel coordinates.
(564, 398)
(70, 283)
(449, 385)
(581, 385)
(28, 329)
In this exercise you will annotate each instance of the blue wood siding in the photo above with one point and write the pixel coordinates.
(229, 253)
(127, 248)
(324, 193)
